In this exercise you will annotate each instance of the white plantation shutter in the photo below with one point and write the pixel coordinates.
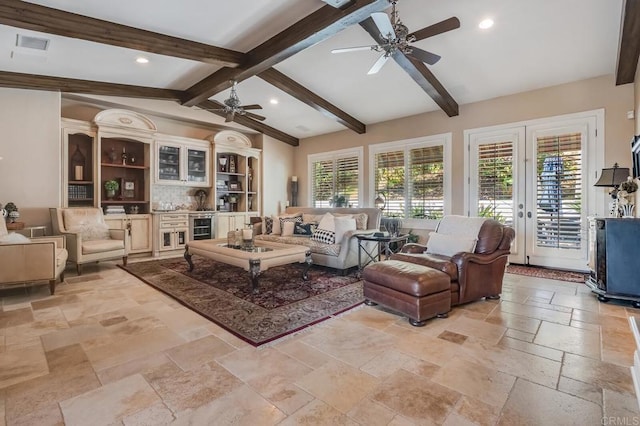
(495, 181)
(426, 180)
(390, 177)
(346, 179)
(322, 183)
(559, 191)
(335, 174)
(411, 177)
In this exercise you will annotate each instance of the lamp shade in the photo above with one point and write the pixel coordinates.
(613, 177)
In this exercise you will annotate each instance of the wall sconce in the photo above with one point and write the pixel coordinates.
(380, 201)
(294, 191)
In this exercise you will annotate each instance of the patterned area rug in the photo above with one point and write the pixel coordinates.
(553, 274)
(222, 293)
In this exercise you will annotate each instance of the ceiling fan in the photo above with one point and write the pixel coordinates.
(233, 106)
(394, 37)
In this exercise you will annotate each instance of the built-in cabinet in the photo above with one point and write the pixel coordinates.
(237, 181)
(79, 173)
(138, 227)
(181, 161)
(226, 222)
(125, 147)
(172, 230)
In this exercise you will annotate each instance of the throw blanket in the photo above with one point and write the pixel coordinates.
(460, 225)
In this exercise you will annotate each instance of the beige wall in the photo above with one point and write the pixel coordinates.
(568, 98)
(277, 167)
(30, 147)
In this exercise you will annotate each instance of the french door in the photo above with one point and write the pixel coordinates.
(533, 177)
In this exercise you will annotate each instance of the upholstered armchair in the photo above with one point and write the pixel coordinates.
(24, 260)
(89, 238)
(473, 252)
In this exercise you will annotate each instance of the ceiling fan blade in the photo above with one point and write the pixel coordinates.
(230, 116)
(252, 106)
(424, 56)
(435, 29)
(384, 24)
(254, 116)
(352, 49)
(378, 65)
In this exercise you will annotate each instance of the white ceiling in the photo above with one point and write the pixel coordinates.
(533, 44)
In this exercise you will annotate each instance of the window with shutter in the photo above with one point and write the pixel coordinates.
(411, 175)
(495, 181)
(559, 191)
(335, 178)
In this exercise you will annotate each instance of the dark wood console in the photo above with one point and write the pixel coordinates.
(614, 260)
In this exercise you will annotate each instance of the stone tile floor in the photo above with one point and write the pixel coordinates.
(109, 350)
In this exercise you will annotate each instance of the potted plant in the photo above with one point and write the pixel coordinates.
(339, 201)
(111, 186)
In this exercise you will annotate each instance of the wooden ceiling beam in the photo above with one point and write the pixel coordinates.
(21, 14)
(250, 123)
(287, 85)
(418, 72)
(629, 46)
(69, 85)
(428, 82)
(319, 25)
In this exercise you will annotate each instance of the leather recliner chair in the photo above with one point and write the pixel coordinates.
(473, 275)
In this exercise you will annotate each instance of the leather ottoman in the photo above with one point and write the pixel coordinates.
(418, 291)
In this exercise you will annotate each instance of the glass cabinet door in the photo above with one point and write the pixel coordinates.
(196, 165)
(169, 163)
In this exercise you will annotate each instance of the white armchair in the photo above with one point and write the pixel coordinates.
(24, 260)
(89, 238)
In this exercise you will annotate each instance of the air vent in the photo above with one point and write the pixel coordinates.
(29, 42)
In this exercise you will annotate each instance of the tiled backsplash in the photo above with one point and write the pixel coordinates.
(180, 197)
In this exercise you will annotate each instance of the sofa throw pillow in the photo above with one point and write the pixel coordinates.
(287, 228)
(361, 219)
(305, 229)
(324, 236)
(342, 225)
(448, 245)
(326, 222)
(277, 229)
(268, 225)
(283, 220)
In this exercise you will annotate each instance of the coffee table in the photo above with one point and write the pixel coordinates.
(259, 257)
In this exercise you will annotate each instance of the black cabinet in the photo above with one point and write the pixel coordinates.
(614, 259)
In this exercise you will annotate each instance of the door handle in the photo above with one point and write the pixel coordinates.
(529, 215)
(520, 214)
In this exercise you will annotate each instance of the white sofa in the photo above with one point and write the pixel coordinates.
(342, 255)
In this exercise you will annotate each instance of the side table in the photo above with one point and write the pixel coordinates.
(382, 247)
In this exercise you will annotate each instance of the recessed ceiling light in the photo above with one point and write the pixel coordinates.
(486, 24)
(142, 60)
(273, 101)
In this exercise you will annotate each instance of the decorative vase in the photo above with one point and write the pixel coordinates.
(113, 155)
(111, 193)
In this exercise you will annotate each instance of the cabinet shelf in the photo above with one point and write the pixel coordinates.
(230, 174)
(123, 201)
(124, 166)
(80, 182)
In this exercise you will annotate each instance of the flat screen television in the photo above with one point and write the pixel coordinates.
(635, 155)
